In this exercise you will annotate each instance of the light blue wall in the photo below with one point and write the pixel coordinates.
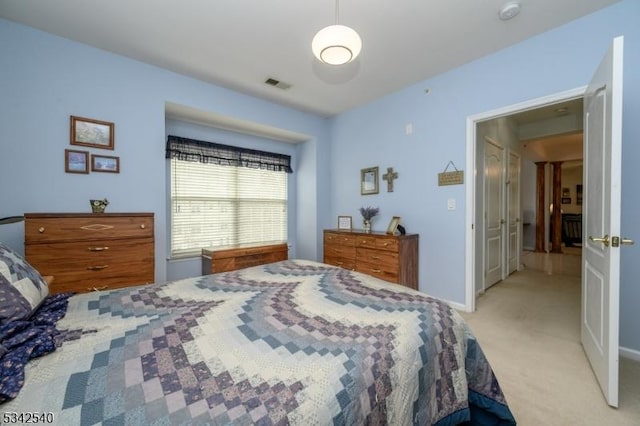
(374, 135)
(44, 79)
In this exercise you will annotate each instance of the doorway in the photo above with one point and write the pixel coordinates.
(547, 137)
(476, 256)
(600, 283)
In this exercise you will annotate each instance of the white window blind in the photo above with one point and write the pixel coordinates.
(216, 205)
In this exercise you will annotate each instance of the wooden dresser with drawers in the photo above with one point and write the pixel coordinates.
(392, 258)
(224, 259)
(87, 252)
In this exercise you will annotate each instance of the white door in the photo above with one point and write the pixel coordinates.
(513, 214)
(493, 208)
(601, 254)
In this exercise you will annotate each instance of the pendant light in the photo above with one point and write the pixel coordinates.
(336, 44)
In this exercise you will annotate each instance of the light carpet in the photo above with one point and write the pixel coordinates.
(529, 328)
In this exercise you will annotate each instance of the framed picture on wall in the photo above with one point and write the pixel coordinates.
(90, 132)
(76, 161)
(103, 163)
(369, 181)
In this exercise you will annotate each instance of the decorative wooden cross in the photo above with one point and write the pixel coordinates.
(389, 177)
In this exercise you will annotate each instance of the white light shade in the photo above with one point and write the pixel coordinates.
(336, 45)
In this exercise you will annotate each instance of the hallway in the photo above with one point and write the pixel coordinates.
(529, 327)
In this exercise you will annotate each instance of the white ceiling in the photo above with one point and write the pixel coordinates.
(553, 132)
(240, 43)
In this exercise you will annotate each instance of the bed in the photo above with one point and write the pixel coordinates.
(292, 342)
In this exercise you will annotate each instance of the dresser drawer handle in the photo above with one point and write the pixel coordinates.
(97, 248)
(142, 226)
(97, 268)
(340, 263)
(377, 271)
(375, 257)
(386, 244)
(41, 229)
(104, 287)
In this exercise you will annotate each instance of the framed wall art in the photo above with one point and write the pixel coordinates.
(93, 133)
(344, 222)
(369, 181)
(104, 163)
(76, 161)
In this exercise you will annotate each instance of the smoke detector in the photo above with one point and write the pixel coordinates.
(509, 10)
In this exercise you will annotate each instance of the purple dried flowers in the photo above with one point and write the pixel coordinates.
(368, 212)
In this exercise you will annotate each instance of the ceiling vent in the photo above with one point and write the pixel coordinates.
(277, 83)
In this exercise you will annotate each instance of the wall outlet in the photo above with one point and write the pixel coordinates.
(451, 204)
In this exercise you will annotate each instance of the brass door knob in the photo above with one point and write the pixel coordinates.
(604, 240)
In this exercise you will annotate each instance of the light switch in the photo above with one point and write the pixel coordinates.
(451, 204)
(408, 129)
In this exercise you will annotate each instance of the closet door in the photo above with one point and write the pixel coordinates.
(494, 212)
(514, 232)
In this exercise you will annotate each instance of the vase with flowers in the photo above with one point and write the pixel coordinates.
(368, 213)
(98, 206)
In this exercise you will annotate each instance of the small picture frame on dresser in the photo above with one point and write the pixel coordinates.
(76, 161)
(345, 222)
(393, 225)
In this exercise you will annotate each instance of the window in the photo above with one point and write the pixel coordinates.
(223, 195)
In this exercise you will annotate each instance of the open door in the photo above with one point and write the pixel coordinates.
(601, 253)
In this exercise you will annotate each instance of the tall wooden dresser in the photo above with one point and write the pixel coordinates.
(87, 252)
(392, 258)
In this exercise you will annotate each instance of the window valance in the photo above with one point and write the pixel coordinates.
(214, 153)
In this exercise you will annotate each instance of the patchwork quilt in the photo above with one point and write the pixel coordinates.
(294, 342)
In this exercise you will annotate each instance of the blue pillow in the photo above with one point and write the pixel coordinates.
(22, 288)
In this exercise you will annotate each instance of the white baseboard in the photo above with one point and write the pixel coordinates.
(456, 305)
(630, 354)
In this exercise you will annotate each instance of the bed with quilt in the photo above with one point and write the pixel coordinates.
(294, 342)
